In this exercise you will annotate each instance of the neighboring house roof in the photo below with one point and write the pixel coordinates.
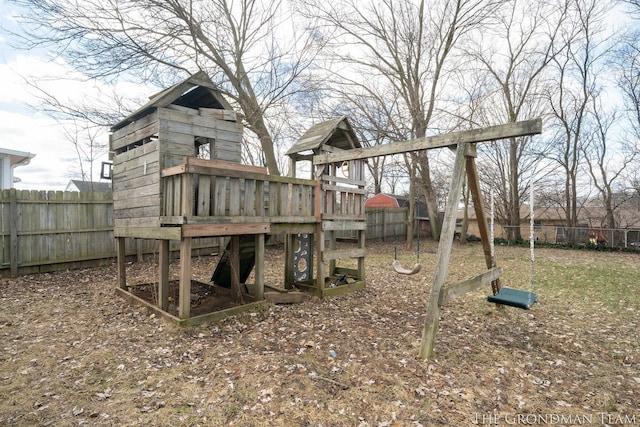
(88, 186)
(196, 91)
(587, 215)
(9, 160)
(335, 132)
(17, 158)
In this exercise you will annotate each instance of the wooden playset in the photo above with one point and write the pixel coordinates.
(177, 176)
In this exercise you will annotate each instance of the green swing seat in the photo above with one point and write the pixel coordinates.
(513, 298)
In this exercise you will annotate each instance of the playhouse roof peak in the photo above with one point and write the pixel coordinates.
(196, 91)
(336, 132)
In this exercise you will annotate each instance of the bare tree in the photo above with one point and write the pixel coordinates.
(635, 5)
(238, 43)
(404, 47)
(578, 71)
(626, 62)
(607, 163)
(370, 119)
(629, 81)
(84, 138)
(514, 55)
(83, 122)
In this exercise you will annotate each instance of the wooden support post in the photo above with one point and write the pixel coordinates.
(320, 267)
(289, 255)
(444, 253)
(311, 254)
(362, 243)
(292, 167)
(13, 232)
(259, 267)
(122, 262)
(234, 265)
(184, 307)
(139, 254)
(186, 208)
(478, 204)
(331, 235)
(318, 209)
(163, 280)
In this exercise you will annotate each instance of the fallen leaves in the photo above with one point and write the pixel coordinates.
(70, 349)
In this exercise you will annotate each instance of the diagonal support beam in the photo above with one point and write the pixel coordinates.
(444, 254)
(492, 133)
(478, 204)
(450, 292)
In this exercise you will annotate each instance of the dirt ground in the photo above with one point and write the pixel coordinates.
(73, 353)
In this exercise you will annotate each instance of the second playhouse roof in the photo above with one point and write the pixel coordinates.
(335, 132)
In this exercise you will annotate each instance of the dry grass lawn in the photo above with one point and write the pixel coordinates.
(73, 353)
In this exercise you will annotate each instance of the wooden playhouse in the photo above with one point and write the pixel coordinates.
(177, 177)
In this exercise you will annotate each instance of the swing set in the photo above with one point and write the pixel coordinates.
(464, 145)
(504, 295)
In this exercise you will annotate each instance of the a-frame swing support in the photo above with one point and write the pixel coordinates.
(464, 143)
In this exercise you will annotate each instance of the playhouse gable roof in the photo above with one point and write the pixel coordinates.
(196, 91)
(335, 132)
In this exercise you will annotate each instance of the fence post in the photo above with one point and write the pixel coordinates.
(139, 253)
(384, 226)
(121, 255)
(13, 232)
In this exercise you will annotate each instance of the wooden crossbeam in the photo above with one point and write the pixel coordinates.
(449, 292)
(492, 133)
(329, 255)
(211, 230)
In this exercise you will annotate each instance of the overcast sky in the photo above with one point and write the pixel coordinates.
(23, 128)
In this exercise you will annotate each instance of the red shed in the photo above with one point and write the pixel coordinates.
(381, 201)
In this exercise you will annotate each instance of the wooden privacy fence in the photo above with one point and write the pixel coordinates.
(53, 230)
(384, 224)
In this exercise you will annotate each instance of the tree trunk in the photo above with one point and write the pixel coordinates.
(412, 204)
(266, 143)
(430, 196)
(255, 118)
(514, 199)
(571, 208)
(465, 218)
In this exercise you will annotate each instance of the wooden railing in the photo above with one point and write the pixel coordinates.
(210, 191)
(343, 198)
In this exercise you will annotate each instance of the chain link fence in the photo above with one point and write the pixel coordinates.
(558, 234)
